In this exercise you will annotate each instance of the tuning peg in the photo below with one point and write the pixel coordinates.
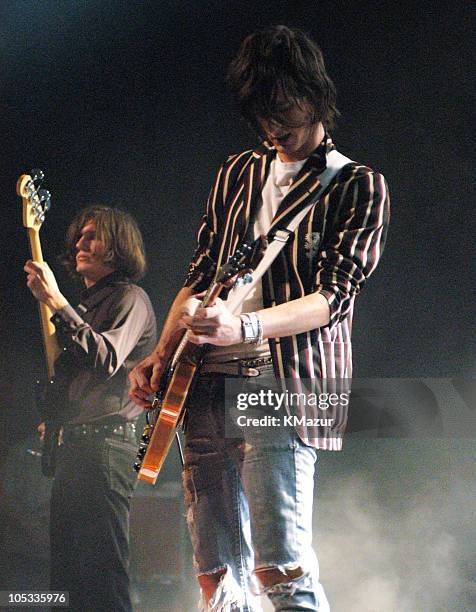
(244, 280)
(137, 465)
(142, 450)
(37, 175)
(45, 198)
(44, 194)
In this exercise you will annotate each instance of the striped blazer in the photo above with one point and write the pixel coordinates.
(333, 251)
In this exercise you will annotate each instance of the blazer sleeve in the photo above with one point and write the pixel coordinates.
(204, 262)
(352, 251)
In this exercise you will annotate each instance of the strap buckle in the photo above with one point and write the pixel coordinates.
(282, 235)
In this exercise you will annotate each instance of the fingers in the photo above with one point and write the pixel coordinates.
(199, 296)
(209, 312)
(204, 317)
(140, 399)
(184, 321)
(198, 339)
(201, 326)
(30, 279)
(31, 267)
(32, 270)
(40, 280)
(35, 267)
(157, 372)
(139, 378)
(138, 394)
(144, 380)
(140, 389)
(33, 280)
(212, 325)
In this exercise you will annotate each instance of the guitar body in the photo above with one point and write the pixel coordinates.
(171, 412)
(178, 380)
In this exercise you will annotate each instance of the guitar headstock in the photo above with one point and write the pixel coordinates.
(36, 201)
(243, 261)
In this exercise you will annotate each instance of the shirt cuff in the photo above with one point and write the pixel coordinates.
(66, 319)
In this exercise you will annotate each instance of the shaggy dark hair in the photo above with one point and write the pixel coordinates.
(118, 230)
(279, 68)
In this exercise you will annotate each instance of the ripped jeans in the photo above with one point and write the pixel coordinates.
(249, 493)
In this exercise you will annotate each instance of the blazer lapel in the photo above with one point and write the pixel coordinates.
(304, 187)
(242, 203)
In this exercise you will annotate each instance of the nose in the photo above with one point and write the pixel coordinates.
(80, 242)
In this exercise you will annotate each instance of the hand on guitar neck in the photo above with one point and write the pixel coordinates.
(214, 325)
(42, 283)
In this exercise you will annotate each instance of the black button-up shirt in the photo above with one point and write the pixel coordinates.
(111, 330)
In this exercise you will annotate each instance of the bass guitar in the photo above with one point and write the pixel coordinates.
(36, 203)
(168, 407)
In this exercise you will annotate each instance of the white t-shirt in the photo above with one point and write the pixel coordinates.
(280, 177)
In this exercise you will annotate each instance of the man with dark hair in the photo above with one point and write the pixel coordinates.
(249, 491)
(102, 339)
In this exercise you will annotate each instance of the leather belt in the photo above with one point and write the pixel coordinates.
(238, 367)
(83, 431)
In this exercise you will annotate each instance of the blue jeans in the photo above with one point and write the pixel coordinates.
(249, 493)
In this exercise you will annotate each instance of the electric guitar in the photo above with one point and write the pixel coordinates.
(36, 203)
(168, 407)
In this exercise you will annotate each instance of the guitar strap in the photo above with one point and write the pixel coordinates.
(278, 238)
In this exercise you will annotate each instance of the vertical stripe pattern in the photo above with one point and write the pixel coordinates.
(333, 251)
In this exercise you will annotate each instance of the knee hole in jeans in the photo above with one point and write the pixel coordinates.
(270, 576)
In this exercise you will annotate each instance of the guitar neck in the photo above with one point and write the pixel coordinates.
(50, 342)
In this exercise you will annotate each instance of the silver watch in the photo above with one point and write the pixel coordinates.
(247, 329)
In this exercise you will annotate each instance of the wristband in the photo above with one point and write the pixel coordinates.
(251, 328)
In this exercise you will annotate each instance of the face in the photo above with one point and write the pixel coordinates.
(293, 143)
(90, 256)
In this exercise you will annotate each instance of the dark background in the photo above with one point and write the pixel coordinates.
(125, 102)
